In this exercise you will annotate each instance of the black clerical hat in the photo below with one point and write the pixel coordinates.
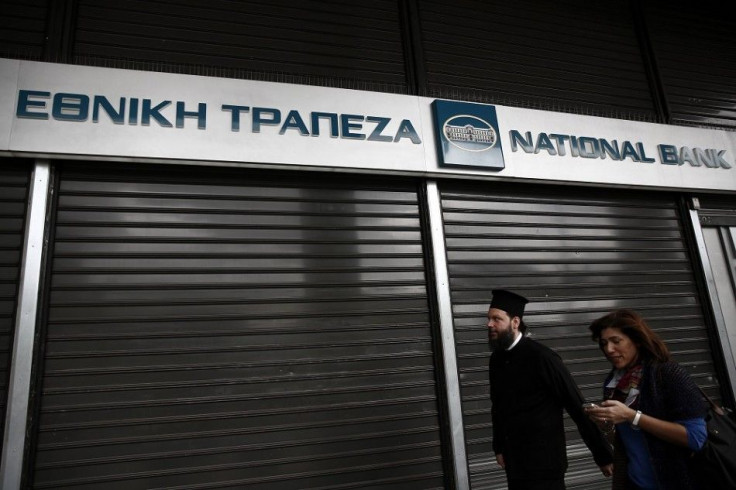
(512, 303)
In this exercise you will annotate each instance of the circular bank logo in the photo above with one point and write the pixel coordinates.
(469, 133)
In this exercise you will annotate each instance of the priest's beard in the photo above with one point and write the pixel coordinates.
(503, 340)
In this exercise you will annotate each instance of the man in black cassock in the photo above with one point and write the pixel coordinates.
(529, 388)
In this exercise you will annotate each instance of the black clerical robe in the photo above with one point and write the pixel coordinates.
(530, 386)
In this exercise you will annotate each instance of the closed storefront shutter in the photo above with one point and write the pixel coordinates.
(236, 330)
(576, 256)
(14, 180)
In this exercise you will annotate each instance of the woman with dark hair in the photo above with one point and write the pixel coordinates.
(657, 409)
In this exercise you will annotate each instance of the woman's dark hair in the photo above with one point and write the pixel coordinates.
(633, 326)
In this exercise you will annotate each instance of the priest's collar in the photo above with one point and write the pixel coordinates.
(518, 339)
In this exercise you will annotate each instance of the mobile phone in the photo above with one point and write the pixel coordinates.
(589, 405)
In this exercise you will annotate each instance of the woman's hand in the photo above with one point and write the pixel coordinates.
(611, 412)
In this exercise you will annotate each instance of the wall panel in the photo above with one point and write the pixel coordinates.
(573, 56)
(22, 29)
(695, 49)
(332, 42)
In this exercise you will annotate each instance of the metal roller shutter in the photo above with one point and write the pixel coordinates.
(576, 255)
(234, 330)
(696, 56)
(571, 56)
(23, 28)
(313, 42)
(14, 182)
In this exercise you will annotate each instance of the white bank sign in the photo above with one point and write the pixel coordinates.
(64, 111)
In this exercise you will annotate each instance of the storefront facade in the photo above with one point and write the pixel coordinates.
(218, 282)
(248, 283)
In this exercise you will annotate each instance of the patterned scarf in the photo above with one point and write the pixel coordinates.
(624, 386)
